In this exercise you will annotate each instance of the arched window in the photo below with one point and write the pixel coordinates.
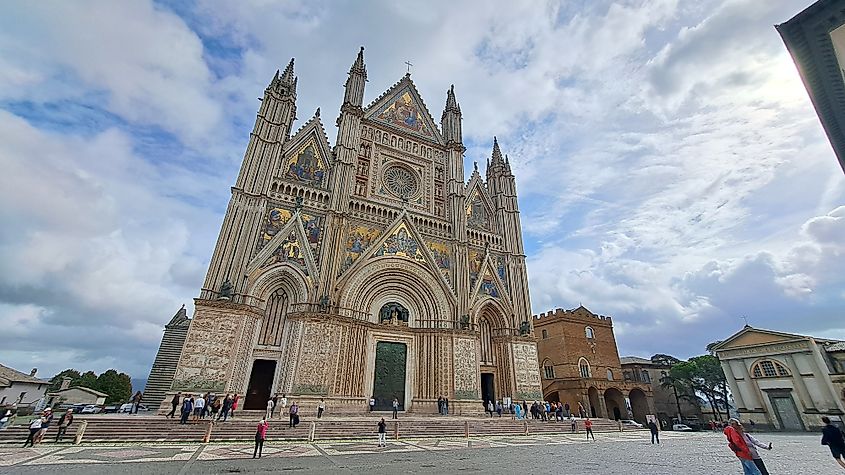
(584, 368)
(768, 369)
(393, 312)
(609, 375)
(486, 341)
(548, 369)
(646, 377)
(273, 324)
(590, 333)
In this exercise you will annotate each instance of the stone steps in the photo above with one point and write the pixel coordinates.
(158, 429)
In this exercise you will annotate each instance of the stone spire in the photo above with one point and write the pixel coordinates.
(450, 121)
(286, 83)
(496, 164)
(288, 79)
(354, 94)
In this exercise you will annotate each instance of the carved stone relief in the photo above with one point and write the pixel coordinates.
(527, 371)
(466, 382)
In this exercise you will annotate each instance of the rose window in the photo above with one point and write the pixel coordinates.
(401, 181)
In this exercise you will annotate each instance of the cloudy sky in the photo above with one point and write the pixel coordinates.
(671, 169)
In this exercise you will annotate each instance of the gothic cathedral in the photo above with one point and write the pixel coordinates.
(370, 268)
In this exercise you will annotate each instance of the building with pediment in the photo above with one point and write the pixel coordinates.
(782, 380)
(369, 267)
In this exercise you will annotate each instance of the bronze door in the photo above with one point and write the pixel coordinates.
(389, 377)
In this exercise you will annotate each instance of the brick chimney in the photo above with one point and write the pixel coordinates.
(32, 373)
(65, 383)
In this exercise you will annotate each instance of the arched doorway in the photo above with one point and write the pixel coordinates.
(593, 395)
(552, 397)
(639, 405)
(615, 403)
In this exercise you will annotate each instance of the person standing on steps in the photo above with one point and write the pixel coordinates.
(46, 419)
(199, 407)
(269, 413)
(574, 424)
(187, 408)
(234, 405)
(64, 422)
(225, 407)
(320, 408)
(499, 408)
(440, 405)
(395, 408)
(655, 436)
(372, 403)
(34, 429)
(832, 437)
(260, 436)
(446, 406)
(294, 415)
(490, 408)
(284, 402)
(382, 433)
(588, 426)
(136, 401)
(174, 403)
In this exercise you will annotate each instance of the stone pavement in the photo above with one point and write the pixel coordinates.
(612, 453)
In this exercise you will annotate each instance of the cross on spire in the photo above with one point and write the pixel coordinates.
(408, 64)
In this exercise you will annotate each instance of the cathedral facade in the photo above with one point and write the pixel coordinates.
(370, 268)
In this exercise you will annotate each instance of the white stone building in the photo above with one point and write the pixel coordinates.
(782, 380)
(20, 388)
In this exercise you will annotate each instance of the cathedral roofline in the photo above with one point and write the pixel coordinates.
(407, 81)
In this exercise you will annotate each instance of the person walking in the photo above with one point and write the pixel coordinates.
(206, 408)
(136, 401)
(440, 405)
(574, 424)
(260, 437)
(753, 443)
(559, 412)
(566, 410)
(284, 404)
(655, 436)
(64, 422)
(34, 429)
(269, 413)
(490, 408)
(225, 407)
(395, 408)
(382, 433)
(5, 417)
(187, 408)
(588, 426)
(499, 408)
(174, 403)
(199, 407)
(294, 415)
(320, 408)
(446, 406)
(737, 444)
(832, 437)
(372, 403)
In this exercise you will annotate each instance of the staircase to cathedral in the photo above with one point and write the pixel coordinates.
(122, 429)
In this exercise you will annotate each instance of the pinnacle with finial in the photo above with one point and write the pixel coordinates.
(451, 103)
(358, 67)
(317, 113)
(497, 153)
(287, 76)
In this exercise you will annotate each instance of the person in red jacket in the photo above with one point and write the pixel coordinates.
(260, 436)
(740, 448)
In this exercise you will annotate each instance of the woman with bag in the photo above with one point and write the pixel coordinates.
(34, 429)
(260, 436)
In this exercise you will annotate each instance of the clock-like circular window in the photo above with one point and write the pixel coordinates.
(401, 181)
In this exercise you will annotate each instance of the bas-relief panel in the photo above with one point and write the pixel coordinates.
(466, 386)
(358, 240)
(316, 359)
(207, 353)
(477, 216)
(443, 258)
(307, 165)
(527, 371)
(401, 243)
(403, 111)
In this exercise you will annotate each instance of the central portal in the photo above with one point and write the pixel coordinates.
(260, 384)
(389, 375)
(488, 392)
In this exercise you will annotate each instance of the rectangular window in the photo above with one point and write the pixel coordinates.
(550, 371)
(545, 334)
(20, 398)
(646, 377)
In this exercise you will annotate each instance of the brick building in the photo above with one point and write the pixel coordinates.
(668, 403)
(579, 363)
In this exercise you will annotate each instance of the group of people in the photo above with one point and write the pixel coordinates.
(443, 406)
(39, 426)
(538, 410)
(202, 406)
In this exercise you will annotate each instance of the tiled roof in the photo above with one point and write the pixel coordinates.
(634, 360)
(12, 375)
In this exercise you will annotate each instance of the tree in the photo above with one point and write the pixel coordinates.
(88, 380)
(56, 381)
(664, 360)
(118, 386)
(703, 374)
(711, 347)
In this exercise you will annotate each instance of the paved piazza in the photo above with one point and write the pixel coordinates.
(612, 453)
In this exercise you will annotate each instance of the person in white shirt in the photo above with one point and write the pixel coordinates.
(199, 404)
(269, 413)
(752, 444)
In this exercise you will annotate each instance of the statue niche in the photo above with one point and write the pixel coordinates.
(393, 313)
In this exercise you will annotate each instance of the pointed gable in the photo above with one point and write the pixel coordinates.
(290, 244)
(478, 207)
(306, 156)
(750, 336)
(488, 283)
(402, 108)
